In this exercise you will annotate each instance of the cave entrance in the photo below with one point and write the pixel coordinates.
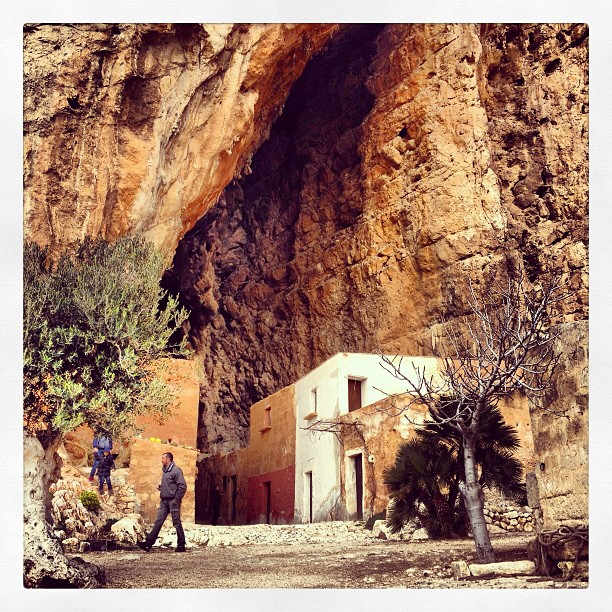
(236, 269)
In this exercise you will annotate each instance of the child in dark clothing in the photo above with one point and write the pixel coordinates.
(104, 469)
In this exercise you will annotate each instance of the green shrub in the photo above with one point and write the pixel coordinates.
(90, 501)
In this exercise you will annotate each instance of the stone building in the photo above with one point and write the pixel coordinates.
(318, 448)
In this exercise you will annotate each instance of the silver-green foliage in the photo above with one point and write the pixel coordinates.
(93, 324)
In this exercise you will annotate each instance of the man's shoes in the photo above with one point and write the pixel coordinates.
(143, 546)
(90, 478)
(180, 549)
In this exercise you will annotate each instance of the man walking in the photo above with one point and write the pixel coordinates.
(171, 491)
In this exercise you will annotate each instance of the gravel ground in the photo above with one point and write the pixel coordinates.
(313, 557)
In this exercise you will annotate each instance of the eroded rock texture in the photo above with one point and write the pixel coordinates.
(404, 158)
(407, 157)
(138, 128)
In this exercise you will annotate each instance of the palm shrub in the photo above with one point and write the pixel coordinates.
(423, 482)
(423, 485)
(95, 323)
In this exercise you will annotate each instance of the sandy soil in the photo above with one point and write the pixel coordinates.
(335, 564)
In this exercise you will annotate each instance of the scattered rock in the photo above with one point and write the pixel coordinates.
(505, 568)
(460, 569)
(420, 534)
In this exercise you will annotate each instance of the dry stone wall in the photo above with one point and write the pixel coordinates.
(76, 526)
(510, 518)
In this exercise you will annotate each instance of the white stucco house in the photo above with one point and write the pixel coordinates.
(345, 383)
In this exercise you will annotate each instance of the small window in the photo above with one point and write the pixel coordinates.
(354, 394)
(312, 412)
(267, 419)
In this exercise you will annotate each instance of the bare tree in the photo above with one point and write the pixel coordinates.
(504, 345)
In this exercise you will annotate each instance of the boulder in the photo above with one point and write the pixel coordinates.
(504, 568)
(380, 530)
(128, 529)
(575, 571)
(420, 534)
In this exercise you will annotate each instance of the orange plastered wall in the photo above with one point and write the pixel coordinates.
(181, 426)
(274, 448)
(145, 474)
(515, 410)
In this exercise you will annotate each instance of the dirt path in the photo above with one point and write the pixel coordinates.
(370, 564)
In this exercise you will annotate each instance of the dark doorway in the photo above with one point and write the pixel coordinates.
(359, 485)
(234, 496)
(309, 495)
(354, 394)
(267, 495)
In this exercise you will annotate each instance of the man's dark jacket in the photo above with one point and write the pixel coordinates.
(173, 485)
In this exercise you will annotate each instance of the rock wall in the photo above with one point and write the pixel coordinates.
(406, 158)
(561, 494)
(137, 128)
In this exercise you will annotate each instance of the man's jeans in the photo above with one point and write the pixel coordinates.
(166, 507)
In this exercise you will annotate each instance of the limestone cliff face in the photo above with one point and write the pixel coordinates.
(406, 158)
(138, 128)
(403, 158)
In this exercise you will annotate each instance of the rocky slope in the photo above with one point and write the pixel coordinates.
(376, 173)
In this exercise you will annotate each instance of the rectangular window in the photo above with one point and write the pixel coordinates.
(267, 419)
(354, 394)
(312, 411)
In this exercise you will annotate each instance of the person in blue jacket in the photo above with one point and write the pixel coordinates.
(101, 442)
(105, 465)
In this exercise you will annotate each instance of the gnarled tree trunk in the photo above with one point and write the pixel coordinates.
(44, 562)
(473, 499)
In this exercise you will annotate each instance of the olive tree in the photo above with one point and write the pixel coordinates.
(503, 345)
(96, 324)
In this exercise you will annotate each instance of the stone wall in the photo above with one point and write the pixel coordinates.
(560, 490)
(508, 517)
(145, 474)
